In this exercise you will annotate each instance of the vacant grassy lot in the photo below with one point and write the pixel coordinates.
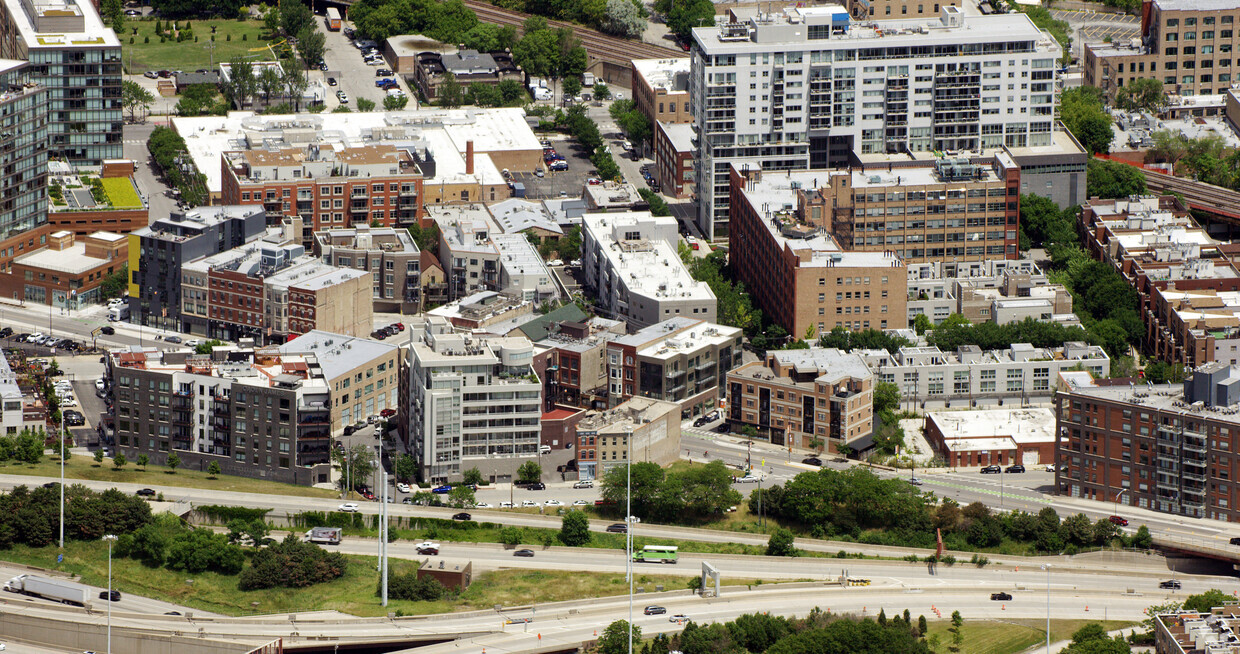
(141, 56)
(353, 593)
(82, 467)
(121, 192)
(1011, 636)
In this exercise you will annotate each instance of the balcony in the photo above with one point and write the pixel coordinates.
(184, 392)
(313, 419)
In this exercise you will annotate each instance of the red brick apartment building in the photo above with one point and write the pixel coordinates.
(327, 188)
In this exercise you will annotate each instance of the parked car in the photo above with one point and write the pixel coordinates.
(723, 429)
(1235, 540)
(349, 507)
(383, 72)
(1050, 467)
(1001, 597)
(584, 484)
(991, 470)
(442, 490)
(1117, 520)
(529, 503)
(1014, 468)
(1173, 584)
(553, 503)
(580, 503)
(150, 74)
(812, 461)
(538, 485)
(654, 610)
(525, 553)
(173, 339)
(331, 81)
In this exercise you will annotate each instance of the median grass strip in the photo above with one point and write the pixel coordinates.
(354, 593)
(1011, 636)
(82, 467)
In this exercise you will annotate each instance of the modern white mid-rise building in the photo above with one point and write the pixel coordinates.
(807, 88)
(473, 402)
(631, 265)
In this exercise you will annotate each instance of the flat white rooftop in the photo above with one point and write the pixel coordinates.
(445, 131)
(93, 33)
(995, 428)
(671, 75)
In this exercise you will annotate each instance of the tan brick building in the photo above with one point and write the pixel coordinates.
(1189, 46)
(816, 399)
(880, 9)
(661, 89)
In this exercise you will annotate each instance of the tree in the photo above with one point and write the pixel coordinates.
(957, 632)
(311, 44)
(143, 460)
(174, 461)
(98, 456)
(461, 497)
(572, 85)
(295, 17)
(781, 543)
(886, 397)
(615, 638)
(115, 283)
(270, 82)
(1203, 602)
(922, 323)
(537, 52)
(119, 460)
(366, 104)
(574, 529)
(406, 468)
(1142, 93)
(393, 102)
(1083, 113)
(295, 84)
(134, 98)
(450, 92)
(601, 91)
(213, 470)
(271, 21)
(354, 464)
(529, 472)
(471, 476)
(683, 16)
(510, 536)
(241, 83)
(624, 18)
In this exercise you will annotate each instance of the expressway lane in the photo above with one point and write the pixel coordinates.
(292, 504)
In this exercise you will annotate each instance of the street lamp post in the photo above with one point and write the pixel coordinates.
(628, 530)
(62, 479)
(1117, 496)
(110, 538)
(1047, 568)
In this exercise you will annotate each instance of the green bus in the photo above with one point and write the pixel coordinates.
(656, 554)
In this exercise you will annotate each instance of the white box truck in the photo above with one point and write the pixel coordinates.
(118, 313)
(323, 536)
(587, 79)
(52, 589)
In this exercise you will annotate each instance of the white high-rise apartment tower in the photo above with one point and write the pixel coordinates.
(808, 88)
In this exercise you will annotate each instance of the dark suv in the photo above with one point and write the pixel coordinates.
(991, 470)
(1015, 467)
(618, 528)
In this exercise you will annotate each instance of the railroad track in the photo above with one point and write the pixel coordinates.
(599, 46)
(1205, 197)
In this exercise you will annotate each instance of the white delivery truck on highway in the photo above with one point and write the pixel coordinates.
(52, 589)
(323, 536)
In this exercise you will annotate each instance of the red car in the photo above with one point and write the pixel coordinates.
(1123, 522)
(387, 413)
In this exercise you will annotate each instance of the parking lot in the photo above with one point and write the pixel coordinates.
(352, 75)
(556, 184)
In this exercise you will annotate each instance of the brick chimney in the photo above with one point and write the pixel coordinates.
(469, 157)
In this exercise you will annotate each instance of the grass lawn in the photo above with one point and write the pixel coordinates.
(121, 193)
(188, 55)
(1010, 636)
(82, 467)
(353, 593)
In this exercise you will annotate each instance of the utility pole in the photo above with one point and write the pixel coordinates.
(628, 528)
(210, 46)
